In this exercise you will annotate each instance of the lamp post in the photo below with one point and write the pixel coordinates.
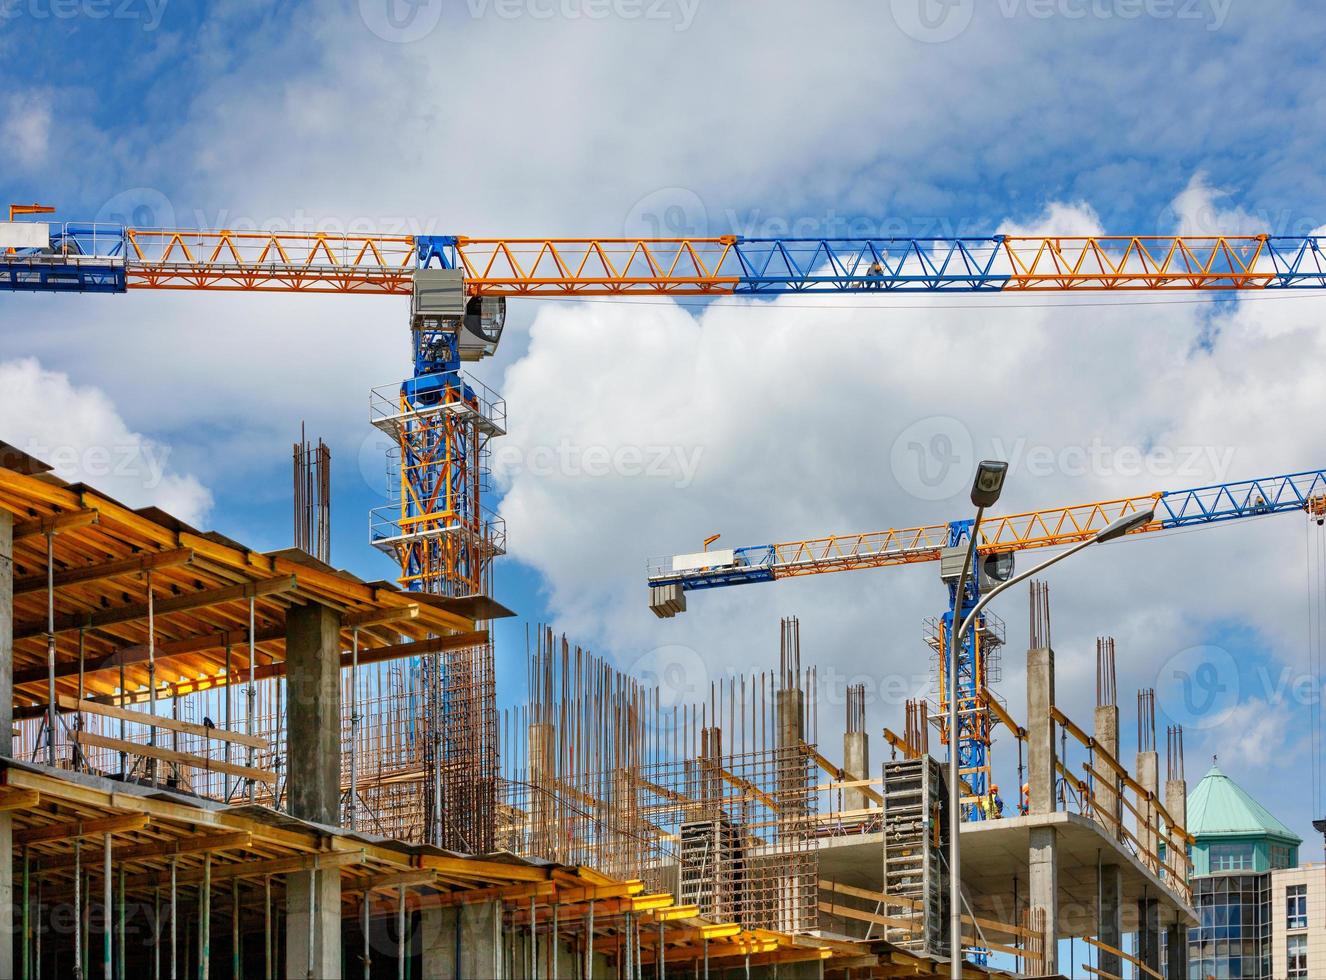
(1116, 529)
(985, 492)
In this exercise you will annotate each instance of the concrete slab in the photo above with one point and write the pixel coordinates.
(995, 870)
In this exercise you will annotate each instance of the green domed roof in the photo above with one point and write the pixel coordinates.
(1219, 807)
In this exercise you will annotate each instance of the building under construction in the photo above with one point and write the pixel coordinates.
(226, 763)
(222, 761)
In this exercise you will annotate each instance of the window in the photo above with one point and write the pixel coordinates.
(1230, 857)
(1296, 957)
(1296, 907)
(1281, 856)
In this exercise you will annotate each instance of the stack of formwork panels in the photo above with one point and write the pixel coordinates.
(915, 842)
(712, 863)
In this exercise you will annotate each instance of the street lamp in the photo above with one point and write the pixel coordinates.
(1116, 529)
(985, 490)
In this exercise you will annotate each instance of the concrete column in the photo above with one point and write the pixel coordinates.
(1043, 860)
(791, 710)
(1176, 949)
(856, 765)
(465, 941)
(1042, 851)
(313, 682)
(6, 738)
(1148, 932)
(1148, 774)
(322, 891)
(1110, 927)
(313, 713)
(1176, 803)
(1106, 780)
(1040, 731)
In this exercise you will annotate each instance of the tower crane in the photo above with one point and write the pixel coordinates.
(998, 540)
(441, 419)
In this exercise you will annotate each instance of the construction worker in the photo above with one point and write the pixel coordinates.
(1025, 806)
(994, 806)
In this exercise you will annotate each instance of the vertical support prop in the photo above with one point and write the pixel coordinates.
(106, 898)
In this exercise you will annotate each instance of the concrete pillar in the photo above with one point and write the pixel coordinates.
(856, 765)
(1043, 860)
(1148, 932)
(6, 738)
(791, 709)
(1176, 950)
(313, 714)
(1106, 779)
(465, 941)
(1148, 774)
(1110, 927)
(1176, 803)
(315, 893)
(313, 683)
(1042, 856)
(1040, 731)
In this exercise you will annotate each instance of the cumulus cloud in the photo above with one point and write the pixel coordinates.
(25, 127)
(795, 412)
(78, 431)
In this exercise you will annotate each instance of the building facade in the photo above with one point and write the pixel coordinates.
(1248, 890)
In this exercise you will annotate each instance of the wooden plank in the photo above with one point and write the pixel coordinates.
(134, 611)
(1122, 955)
(377, 617)
(399, 879)
(54, 525)
(169, 755)
(253, 869)
(837, 772)
(847, 912)
(81, 828)
(168, 848)
(137, 654)
(157, 721)
(110, 569)
(1002, 714)
(490, 870)
(880, 898)
(13, 798)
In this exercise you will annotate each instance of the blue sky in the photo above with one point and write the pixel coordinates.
(544, 117)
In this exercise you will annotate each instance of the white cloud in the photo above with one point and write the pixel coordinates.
(794, 407)
(78, 431)
(25, 128)
(1198, 211)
